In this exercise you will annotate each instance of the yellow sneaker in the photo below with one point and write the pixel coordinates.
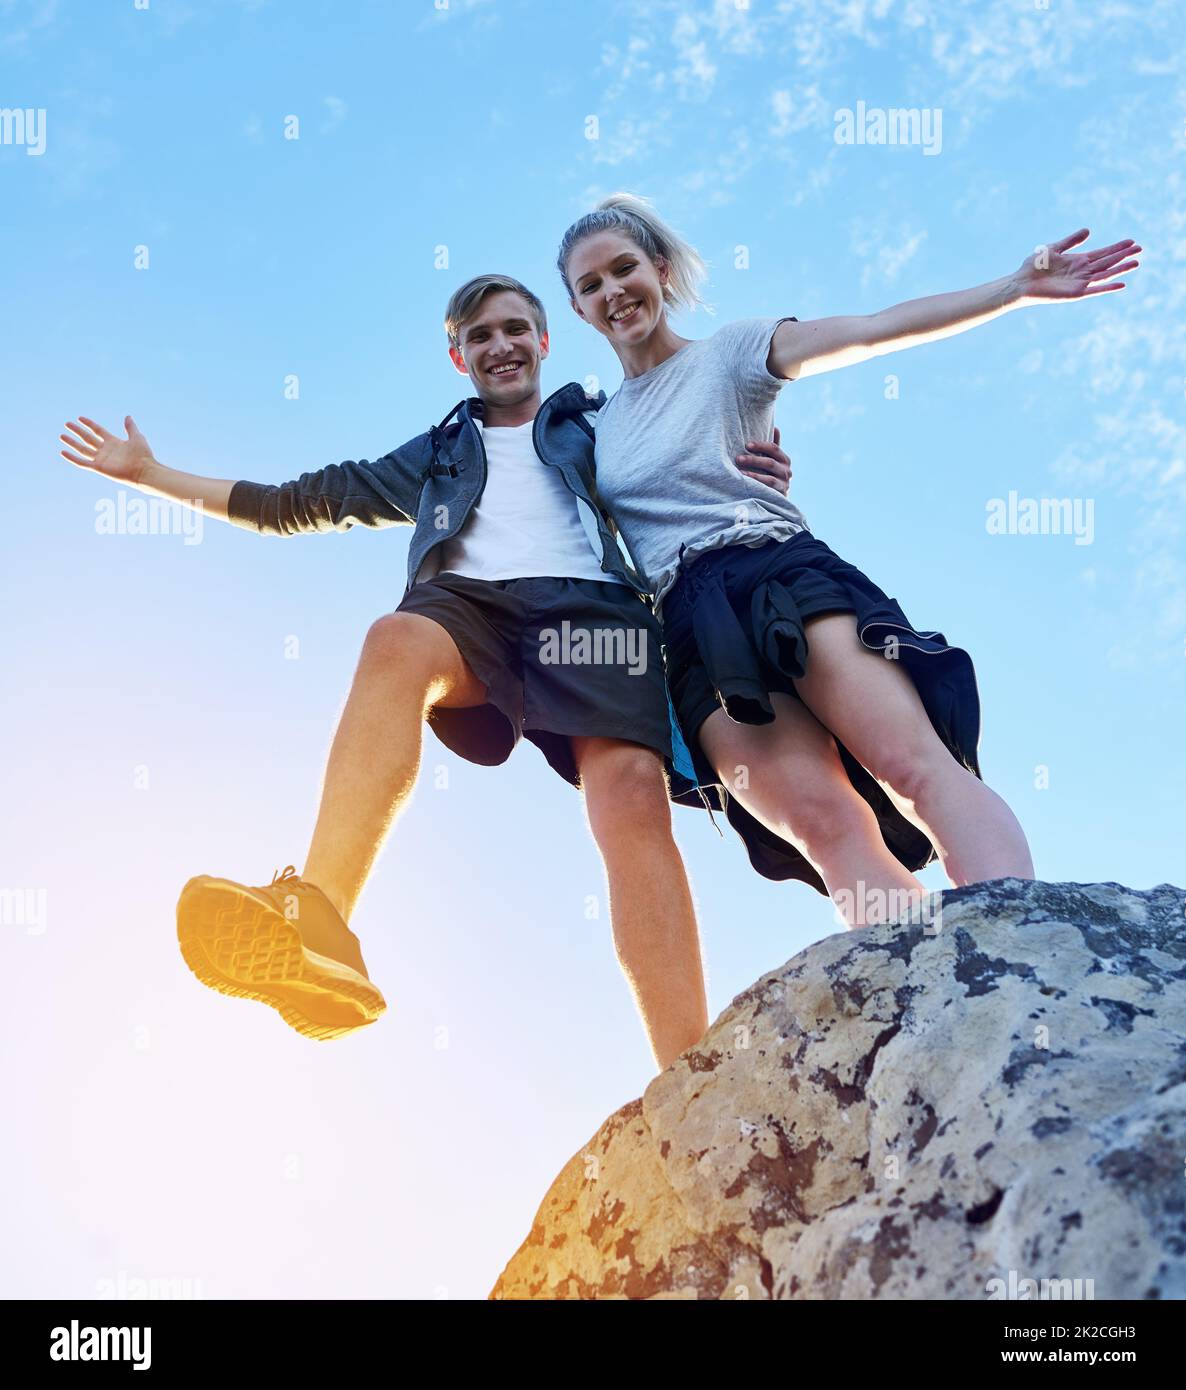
(285, 945)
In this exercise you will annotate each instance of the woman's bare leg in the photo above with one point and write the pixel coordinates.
(408, 664)
(789, 776)
(872, 706)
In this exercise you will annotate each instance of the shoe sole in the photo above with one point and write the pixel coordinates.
(237, 943)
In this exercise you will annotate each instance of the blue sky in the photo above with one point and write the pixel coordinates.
(158, 725)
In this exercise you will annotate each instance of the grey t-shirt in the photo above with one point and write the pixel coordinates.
(666, 443)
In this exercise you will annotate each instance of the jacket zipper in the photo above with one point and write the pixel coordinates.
(485, 473)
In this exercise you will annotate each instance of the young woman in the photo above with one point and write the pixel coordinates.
(846, 736)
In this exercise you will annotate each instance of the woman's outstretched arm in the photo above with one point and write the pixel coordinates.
(822, 345)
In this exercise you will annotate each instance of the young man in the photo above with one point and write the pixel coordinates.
(517, 591)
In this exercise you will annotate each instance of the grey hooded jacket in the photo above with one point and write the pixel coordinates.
(433, 483)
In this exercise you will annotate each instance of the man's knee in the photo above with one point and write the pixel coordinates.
(625, 792)
(398, 634)
(417, 646)
(415, 656)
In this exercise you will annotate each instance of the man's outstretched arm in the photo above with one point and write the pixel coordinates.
(382, 493)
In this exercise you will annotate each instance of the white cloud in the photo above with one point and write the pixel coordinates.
(884, 253)
(25, 21)
(437, 13)
(626, 66)
(1126, 357)
(797, 109)
(624, 140)
(695, 73)
(964, 56)
(1121, 355)
(335, 113)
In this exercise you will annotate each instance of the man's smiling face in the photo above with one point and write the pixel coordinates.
(501, 348)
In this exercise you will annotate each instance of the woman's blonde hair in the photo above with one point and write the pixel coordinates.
(636, 218)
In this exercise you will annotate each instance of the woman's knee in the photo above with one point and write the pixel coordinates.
(913, 773)
(822, 825)
(817, 808)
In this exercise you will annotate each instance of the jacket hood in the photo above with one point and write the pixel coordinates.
(571, 399)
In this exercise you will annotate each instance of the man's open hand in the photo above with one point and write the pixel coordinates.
(766, 463)
(92, 446)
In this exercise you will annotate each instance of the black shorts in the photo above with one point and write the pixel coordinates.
(559, 657)
(734, 630)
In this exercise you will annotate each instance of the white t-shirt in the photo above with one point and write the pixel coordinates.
(525, 524)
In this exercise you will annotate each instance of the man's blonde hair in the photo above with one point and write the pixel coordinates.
(464, 303)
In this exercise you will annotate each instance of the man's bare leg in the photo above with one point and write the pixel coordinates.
(654, 920)
(408, 664)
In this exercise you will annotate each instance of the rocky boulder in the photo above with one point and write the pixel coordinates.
(949, 1109)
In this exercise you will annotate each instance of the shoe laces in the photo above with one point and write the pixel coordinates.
(290, 876)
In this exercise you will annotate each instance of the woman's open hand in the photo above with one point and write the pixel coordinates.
(92, 446)
(1053, 272)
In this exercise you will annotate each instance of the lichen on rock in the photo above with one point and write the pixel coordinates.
(941, 1110)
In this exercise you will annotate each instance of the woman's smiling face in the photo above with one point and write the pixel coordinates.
(617, 287)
